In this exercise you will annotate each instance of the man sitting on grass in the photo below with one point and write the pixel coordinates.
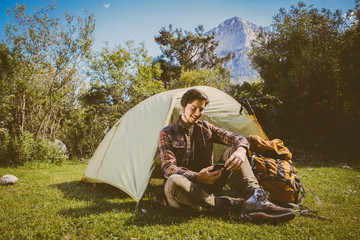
(185, 150)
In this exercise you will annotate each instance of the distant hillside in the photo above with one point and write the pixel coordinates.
(235, 35)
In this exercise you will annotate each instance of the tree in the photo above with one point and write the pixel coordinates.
(46, 56)
(208, 77)
(264, 105)
(122, 77)
(187, 51)
(119, 79)
(349, 84)
(297, 57)
(6, 76)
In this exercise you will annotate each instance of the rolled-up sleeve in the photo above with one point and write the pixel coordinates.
(223, 136)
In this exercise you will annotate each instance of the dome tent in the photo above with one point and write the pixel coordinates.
(127, 155)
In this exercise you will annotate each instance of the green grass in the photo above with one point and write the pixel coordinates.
(50, 202)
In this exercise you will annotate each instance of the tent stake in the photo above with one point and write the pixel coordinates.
(137, 206)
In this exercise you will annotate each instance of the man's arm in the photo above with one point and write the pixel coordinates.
(237, 159)
(228, 138)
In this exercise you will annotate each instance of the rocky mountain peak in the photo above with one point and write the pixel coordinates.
(235, 34)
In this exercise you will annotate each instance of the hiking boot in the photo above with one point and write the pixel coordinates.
(228, 204)
(258, 207)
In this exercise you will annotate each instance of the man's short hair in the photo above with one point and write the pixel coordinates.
(193, 94)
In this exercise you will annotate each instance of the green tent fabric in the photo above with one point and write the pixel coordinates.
(126, 157)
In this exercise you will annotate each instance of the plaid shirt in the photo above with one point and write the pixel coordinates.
(175, 146)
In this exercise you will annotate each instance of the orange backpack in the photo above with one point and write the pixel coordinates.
(272, 166)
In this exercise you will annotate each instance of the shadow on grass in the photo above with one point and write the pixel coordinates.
(158, 215)
(97, 194)
(89, 192)
(148, 214)
(97, 209)
(100, 197)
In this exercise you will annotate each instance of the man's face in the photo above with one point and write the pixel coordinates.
(193, 111)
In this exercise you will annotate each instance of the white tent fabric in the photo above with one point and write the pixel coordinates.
(126, 157)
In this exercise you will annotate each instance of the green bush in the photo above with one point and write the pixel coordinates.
(264, 105)
(47, 151)
(24, 148)
(4, 145)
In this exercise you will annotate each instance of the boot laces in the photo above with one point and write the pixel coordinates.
(262, 195)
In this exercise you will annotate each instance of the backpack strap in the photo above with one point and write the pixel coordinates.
(318, 199)
(267, 165)
(298, 185)
(305, 211)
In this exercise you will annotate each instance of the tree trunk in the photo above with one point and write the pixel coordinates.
(23, 105)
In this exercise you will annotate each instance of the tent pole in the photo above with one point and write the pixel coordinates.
(259, 126)
(245, 103)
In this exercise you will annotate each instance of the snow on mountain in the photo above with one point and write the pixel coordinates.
(236, 34)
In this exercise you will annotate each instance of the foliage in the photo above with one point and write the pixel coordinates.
(187, 51)
(208, 77)
(349, 85)
(119, 79)
(45, 57)
(264, 105)
(169, 73)
(308, 60)
(122, 77)
(23, 148)
(50, 202)
(85, 128)
(298, 59)
(41, 55)
(6, 72)
(5, 141)
(254, 92)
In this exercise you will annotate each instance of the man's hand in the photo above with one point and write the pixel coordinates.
(207, 177)
(236, 160)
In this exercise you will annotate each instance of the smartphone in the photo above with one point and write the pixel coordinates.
(217, 167)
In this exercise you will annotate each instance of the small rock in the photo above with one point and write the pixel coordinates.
(346, 167)
(310, 169)
(143, 210)
(62, 147)
(8, 179)
(350, 191)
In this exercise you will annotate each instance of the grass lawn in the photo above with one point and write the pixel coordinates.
(50, 202)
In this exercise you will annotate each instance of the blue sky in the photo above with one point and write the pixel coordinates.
(140, 20)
